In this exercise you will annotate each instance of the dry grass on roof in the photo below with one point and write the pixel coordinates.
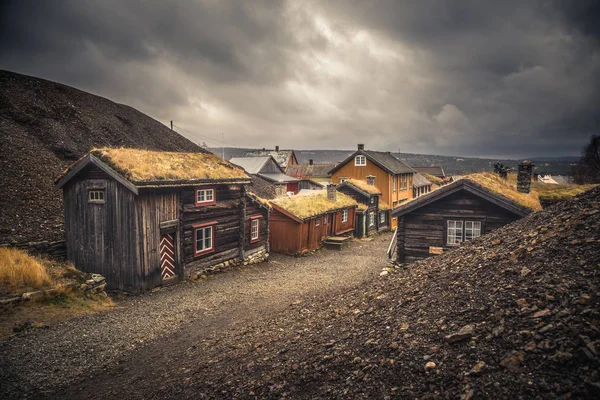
(364, 186)
(145, 165)
(310, 206)
(433, 179)
(504, 187)
(383, 206)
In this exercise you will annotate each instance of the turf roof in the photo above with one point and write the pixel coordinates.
(304, 207)
(364, 186)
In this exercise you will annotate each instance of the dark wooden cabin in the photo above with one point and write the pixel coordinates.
(144, 218)
(369, 219)
(300, 223)
(461, 211)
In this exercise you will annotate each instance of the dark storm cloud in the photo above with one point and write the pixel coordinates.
(507, 78)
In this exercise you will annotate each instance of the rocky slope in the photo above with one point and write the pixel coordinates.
(44, 127)
(514, 314)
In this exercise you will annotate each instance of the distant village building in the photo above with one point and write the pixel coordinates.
(391, 176)
(267, 168)
(145, 218)
(299, 224)
(436, 171)
(460, 211)
(369, 218)
(284, 158)
(311, 171)
(421, 185)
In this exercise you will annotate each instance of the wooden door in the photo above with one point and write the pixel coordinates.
(168, 263)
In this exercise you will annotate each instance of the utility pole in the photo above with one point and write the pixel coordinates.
(223, 143)
(171, 125)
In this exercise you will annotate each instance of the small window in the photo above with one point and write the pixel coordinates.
(382, 217)
(345, 216)
(472, 229)
(326, 219)
(96, 196)
(205, 197)
(317, 221)
(394, 183)
(372, 200)
(455, 232)
(372, 218)
(254, 230)
(342, 180)
(360, 160)
(204, 239)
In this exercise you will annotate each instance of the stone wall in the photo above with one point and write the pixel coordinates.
(257, 256)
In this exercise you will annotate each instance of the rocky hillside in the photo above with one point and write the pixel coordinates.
(514, 314)
(44, 127)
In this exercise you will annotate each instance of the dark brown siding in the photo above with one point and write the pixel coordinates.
(344, 227)
(285, 234)
(255, 209)
(426, 226)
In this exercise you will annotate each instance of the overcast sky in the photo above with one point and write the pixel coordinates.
(473, 78)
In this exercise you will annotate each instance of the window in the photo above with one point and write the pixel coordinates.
(372, 200)
(344, 216)
(342, 180)
(472, 229)
(205, 197)
(382, 217)
(394, 183)
(326, 219)
(394, 204)
(459, 231)
(96, 196)
(372, 218)
(360, 161)
(317, 221)
(254, 230)
(403, 182)
(204, 238)
(454, 235)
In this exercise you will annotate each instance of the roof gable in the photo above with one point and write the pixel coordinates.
(420, 181)
(360, 187)
(384, 160)
(436, 171)
(258, 164)
(282, 157)
(308, 170)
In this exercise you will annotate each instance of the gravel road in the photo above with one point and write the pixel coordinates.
(126, 341)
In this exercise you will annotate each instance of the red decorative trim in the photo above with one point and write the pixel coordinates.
(205, 203)
(212, 242)
(255, 216)
(203, 224)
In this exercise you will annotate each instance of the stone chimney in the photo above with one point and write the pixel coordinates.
(276, 148)
(524, 176)
(280, 190)
(331, 192)
(310, 162)
(361, 146)
(371, 180)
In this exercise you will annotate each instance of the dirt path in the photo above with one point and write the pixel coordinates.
(130, 349)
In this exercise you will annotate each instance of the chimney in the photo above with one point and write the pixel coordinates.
(276, 148)
(331, 192)
(280, 190)
(264, 149)
(371, 180)
(361, 146)
(310, 162)
(524, 176)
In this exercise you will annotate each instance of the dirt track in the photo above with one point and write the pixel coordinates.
(129, 351)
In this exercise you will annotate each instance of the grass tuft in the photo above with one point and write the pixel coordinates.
(19, 269)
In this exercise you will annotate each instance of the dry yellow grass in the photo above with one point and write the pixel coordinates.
(310, 206)
(504, 187)
(383, 206)
(364, 186)
(144, 165)
(19, 269)
(433, 179)
(552, 193)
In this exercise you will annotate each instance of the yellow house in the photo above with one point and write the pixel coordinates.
(388, 174)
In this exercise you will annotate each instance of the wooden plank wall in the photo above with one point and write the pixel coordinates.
(285, 235)
(253, 209)
(102, 238)
(344, 227)
(426, 226)
(155, 206)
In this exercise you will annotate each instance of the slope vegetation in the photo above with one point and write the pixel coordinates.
(44, 127)
(513, 314)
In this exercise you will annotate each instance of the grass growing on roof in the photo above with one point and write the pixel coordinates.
(553, 193)
(364, 186)
(504, 187)
(145, 165)
(310, 206)
(433, 179)
(383, 206)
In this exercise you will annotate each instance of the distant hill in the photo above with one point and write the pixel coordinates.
(452, 165)
(44, 127)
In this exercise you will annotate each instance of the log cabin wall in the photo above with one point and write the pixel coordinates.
(254, 209)
(103, 237)
(426, 227)
(228, 230)
(156, 206)
(344, 227)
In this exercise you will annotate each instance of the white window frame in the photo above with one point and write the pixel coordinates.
(394, 182)
(96, 196)
(318, 221)
(342, 180)
(255, 229)
(360, 161)
(205, 248)
(458, 231)
(371, 218)
(344, 216)
(472, 230)
(382, 217)
(205, 194)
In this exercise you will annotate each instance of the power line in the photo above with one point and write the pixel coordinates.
(214, 140)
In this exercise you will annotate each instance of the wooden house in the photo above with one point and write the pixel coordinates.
(391, 176)
(435, 170)
(311, 171)
(266, 168)
(369, 219)
(458, 212)
(300, 223)
(144, 218)
(421, 185)
(284, 158)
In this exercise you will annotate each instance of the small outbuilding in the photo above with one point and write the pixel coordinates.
(266, 168)
(145, 218)
(300, 223)
(369, 219)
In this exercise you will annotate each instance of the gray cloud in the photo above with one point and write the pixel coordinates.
(471, 78)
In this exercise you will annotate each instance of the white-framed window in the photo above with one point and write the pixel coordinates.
(372, 200)
(254, 229)
(360, 161)
(382, 217)
(205, 196)
(372, 218)
(394, 183)
(318, 221)
(96, 196)
(342, 180)
(203, 239)
(472, 229)
(344, 215)
(326, 219)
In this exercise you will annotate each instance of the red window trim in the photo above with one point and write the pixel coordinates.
(205, 203)
(252, 218)
(204, 225)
